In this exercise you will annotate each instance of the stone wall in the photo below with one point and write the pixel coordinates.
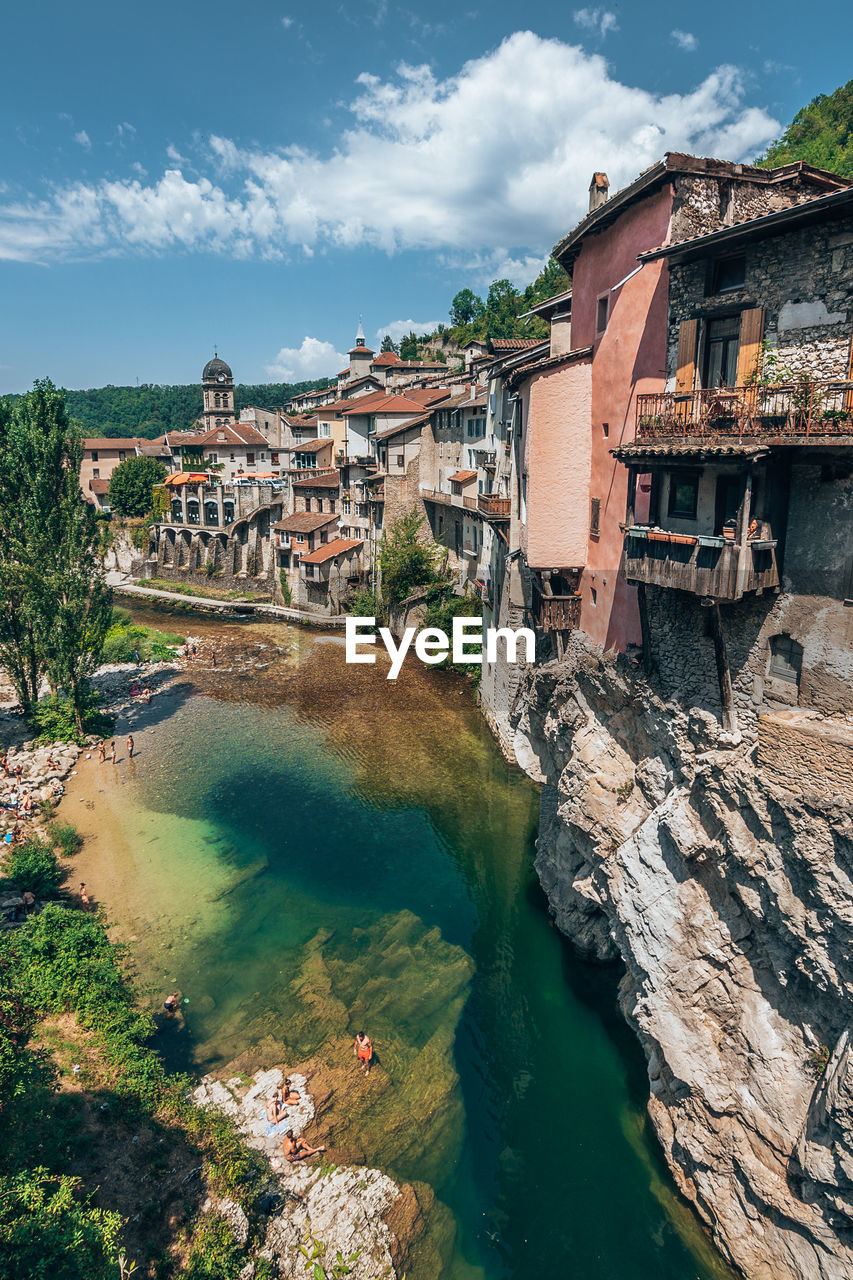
(804, 281)
(806, 755)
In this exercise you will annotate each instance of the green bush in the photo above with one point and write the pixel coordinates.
(367, 604)
(47, 1232)
(67, 837)
(33, 866)
(55, 720)
(124, 640)
(213, 1253)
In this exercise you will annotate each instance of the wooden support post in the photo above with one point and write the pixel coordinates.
(724, 677)
(632, 496)
(744, 515)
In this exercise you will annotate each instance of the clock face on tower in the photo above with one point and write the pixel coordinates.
(220, 377)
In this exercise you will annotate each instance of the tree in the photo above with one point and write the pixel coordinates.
(820, 133)
(502, 308)
(132, 483)
(47, 1228)
(388, 343)
(54, 602)
(406, 560)
(466, 307)
(409, 347)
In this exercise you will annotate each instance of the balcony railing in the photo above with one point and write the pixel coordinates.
(705, 566)
(557, 613)
(493, 507)
(795, 410)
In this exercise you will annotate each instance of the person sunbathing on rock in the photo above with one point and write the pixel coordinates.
(297, 1149)
(290, 1095)
(275, 1111)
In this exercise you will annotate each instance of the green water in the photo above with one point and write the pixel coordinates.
(315, 848)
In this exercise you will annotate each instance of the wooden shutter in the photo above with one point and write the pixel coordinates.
(686, 371)
(594, 517)
(751, 338)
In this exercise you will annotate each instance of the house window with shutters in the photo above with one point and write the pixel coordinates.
(594, 517)
(721, 351)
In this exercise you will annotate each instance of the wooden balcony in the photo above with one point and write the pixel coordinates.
(788, 412)
(493, 507)
(557, 613)
(714, 568)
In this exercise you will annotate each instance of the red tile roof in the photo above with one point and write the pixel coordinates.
(104, 443)
(463, 477)
(305, 521)
(330, 550)
(313, 446)
(97, 485)
(514, 344)
(330, 481)
(383, 402)
(388, 357)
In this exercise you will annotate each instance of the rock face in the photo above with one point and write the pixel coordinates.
(729, 900)
(350, 1209)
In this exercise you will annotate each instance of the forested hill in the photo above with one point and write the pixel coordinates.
(821, 134)
(150, 410)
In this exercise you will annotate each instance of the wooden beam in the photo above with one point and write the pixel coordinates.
(724, 678)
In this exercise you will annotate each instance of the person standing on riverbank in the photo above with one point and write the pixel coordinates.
(363, 1050)
(130, 746)
(102, 751)
(113, 753)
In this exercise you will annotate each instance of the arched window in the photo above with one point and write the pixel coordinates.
(177, 511)
(216, 400)
(211, 512)
(786, 659)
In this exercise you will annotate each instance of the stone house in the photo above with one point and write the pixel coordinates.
(101, 456)
(739, 516)
(577, 399)
(231, 450)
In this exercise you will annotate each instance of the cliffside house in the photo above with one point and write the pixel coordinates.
(738, 533)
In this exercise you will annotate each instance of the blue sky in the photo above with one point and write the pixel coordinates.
(256, 175)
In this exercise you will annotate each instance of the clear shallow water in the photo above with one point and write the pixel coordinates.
(310, 848)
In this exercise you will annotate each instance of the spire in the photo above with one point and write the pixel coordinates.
(359, 337)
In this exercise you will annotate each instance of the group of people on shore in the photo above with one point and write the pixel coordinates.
(102, 750)
(294, 1148)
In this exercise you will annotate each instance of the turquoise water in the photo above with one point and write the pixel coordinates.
(316, 848)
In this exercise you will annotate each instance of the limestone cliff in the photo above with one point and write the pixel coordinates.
(729, 899)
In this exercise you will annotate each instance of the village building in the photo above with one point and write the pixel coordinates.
(101, 456)
(217, 384)
(738, 531)
(576, 400)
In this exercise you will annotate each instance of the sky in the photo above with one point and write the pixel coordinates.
(254, 177)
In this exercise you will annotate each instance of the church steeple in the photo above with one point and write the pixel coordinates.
(361, 357)
(217, 382)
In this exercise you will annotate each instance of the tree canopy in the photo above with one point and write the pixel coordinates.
(820, 134)
(131, 485)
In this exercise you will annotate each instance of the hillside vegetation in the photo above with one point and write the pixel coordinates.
(820, 134)
(149, 410)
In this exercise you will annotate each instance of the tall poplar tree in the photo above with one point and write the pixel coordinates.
(54, 601)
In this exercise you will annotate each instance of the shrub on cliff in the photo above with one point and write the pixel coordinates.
(47, 1229)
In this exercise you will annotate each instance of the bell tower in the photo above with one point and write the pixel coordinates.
(217, 384)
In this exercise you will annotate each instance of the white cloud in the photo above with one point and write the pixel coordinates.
(84, 140)
(287, 22)
(314, 359)
(684, 39)
(498, 155)
(399, 328)
(174, 155)
(600, 20)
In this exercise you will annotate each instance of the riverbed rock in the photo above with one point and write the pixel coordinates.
(730, 902)
(380, 1227)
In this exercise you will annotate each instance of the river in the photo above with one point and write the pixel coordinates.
(305, 847)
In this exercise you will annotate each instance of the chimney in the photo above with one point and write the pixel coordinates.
(598, 190)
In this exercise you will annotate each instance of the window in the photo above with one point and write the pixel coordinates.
(605, 427)
(594, 517)
(232, 457)
(728, 273)
(401, 459)
(683, 494)
(250, 459)
(319, 504)
(307, 504)
(723, 338)
(94, 455)
(347, 506)
(786, 659)
(325, 429)
(332, 505)
(96, 471)
(602, 313)
(121, 455)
